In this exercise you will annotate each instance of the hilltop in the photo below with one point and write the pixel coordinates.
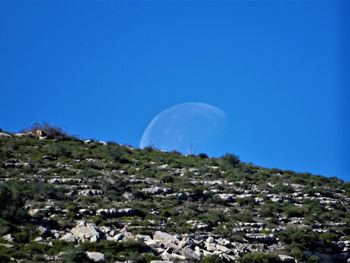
(63, 199)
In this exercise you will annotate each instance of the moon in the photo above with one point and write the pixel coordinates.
(189, 128)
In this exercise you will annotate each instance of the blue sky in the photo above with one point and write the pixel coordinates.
(104, 69)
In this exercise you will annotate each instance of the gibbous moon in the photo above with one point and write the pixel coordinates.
(189, 128)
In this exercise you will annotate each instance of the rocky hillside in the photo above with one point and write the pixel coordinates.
(63, 199)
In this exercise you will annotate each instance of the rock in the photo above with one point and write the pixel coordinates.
(229, 198)
(38, 239)
(85, 231)
(5, 135)
(143, 238)
(42, 230)
(8, 238)
(91, 192)
(165, 237)
(6, 245)
(188, 253)
(222, 248)
(118, 237)
(95, 256)
(287, 259)
(113, 212)
(155, 190)
(69, 238)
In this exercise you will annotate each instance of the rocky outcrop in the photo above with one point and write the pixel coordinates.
(84, 232)
(95, 256)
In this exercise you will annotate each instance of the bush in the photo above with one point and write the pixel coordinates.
(231, 160)
(203, 155)
(300, 237)
(210, 259)
(51, 132)
(295, 211)
(313, 259)
(259, 258)
(11, 205)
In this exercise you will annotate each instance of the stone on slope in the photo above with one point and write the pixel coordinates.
(68, 237)
(95, 256)
(85, 231)
(165, 237)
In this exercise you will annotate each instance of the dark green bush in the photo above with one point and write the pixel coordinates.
(300, 237)
(11, 204)
(313, 259)
(295, 211)
(259, 258)
(231, 160)
(210, 259)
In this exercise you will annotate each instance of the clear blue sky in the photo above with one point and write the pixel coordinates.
(104, 69)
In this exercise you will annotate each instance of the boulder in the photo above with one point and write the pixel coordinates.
(286, 259)
(95, 256)
(8, 238)
(85, 232)
(143, 238)
(165, 237)
(229, 198)
(5, 135)
(69, 238)
(190, 254)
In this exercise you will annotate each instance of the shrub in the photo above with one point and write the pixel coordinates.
(210, 259)
(231, 160)
(51, 132)
(300, 237)
(313, 259)
(203, 155)
(11, 205)
(295, 211)
(269, 209)
(259, 258)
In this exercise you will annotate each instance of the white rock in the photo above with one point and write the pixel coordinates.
(8, 238)
(38, 239)
(69, 238)
(143, 238)
(85, 231)
(285, 258)
(42, 230)
(5, 135)
(165, 237)
(95, 256)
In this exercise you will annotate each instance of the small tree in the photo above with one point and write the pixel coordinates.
(11, 205)
(51, 132)
(231, 160)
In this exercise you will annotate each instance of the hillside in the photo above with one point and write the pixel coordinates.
(63, 199)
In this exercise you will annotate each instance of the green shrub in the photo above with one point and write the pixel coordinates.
(210, 259)
(230, 160)
(269, 209)
(259, 258)
(295, 211)
(313, 259)
(300, 237)
(11, 205)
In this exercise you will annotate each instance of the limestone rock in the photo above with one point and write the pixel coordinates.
(85, 231)
(69, 238)
(165, 237)
(95, 256)
(287, 259)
